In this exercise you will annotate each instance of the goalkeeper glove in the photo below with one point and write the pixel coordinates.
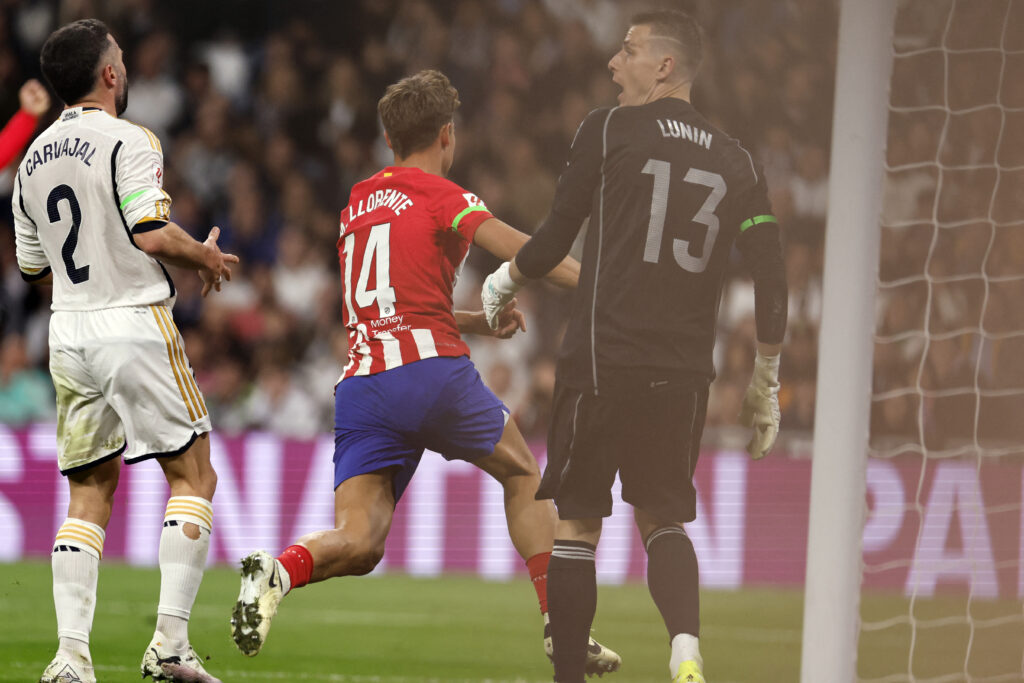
(761, 406)
(498, 290)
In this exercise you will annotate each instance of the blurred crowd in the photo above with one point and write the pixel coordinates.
(267, 113)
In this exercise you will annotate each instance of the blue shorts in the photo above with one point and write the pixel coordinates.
(388, 419)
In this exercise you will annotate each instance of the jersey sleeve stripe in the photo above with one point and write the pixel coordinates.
(148, 225)
(113, 181)
(174, 363)
(463, 213)
(154, 142)
(21, 200)
(134, 195)
(29, 276)
(751, 222)
(190, 382)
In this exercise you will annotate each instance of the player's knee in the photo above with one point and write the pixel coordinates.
(363, 556)
(513, 465)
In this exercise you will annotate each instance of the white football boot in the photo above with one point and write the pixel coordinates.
(258, 598)
(66, 668)
(600, 660)
(164, 662)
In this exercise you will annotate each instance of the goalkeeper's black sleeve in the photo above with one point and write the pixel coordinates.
(762, 255)
(549, 245)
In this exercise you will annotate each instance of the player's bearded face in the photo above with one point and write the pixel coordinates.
(634, 68)
(121, 96)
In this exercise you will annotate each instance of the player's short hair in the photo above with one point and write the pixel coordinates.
(71, 57)
(414, 110)
(679, 28)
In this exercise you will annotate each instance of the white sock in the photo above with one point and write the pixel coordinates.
(75, 560)
(684, 648)
(182, 562)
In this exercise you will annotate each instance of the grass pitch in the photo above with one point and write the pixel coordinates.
(395, 629)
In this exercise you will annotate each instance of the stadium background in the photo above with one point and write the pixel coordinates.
(267, 115)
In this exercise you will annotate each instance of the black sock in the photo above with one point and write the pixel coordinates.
(572, 601)
(672, 578)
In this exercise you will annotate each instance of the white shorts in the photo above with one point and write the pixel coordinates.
(124, 386)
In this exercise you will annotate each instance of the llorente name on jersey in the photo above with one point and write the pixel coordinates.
(671, 128)
(389, 198)
(60, 148)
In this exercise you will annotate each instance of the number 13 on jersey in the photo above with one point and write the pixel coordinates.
(376, 252)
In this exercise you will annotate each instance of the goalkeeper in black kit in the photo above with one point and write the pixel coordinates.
(668, 195)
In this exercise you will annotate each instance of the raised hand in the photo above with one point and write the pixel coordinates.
(34, 98)
(216, 269)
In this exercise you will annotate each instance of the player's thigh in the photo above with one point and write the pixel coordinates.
(665, 429)
(468, 422)
(149, 381)
(369, 434)
(511, 456)
(89, 430)
(583, 455)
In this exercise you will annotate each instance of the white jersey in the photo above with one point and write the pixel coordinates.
(87, 185)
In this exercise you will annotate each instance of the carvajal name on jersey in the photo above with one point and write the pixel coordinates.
(60, 148)
(388, 198)
(671, 128)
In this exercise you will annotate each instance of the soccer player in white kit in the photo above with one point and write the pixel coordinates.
(92, 218)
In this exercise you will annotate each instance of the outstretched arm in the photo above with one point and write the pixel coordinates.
(504, 241)
(175, 246)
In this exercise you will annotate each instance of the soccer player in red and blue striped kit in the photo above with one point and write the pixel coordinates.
(409, 384)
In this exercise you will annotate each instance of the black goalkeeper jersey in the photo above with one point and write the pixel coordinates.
(668, 195)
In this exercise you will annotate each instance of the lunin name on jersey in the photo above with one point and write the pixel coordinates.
(404, 236)
(86, 186)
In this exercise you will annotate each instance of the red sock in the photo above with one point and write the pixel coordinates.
(298, 562)
(538, 568)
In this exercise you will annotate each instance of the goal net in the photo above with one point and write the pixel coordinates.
(943, 575)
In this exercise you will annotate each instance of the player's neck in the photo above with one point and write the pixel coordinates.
(97, 103)
(660, 91)
(428, 161)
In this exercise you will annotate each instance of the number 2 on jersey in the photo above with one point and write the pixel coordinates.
(67, 251)
(378, 253)
(661, 170)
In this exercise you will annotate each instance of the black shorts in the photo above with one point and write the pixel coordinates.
(651, 439)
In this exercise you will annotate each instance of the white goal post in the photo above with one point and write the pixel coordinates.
(860, 120)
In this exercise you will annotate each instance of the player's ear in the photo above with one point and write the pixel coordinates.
(666, 68)
(108, 77)
(388, 141)
(447, 133)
